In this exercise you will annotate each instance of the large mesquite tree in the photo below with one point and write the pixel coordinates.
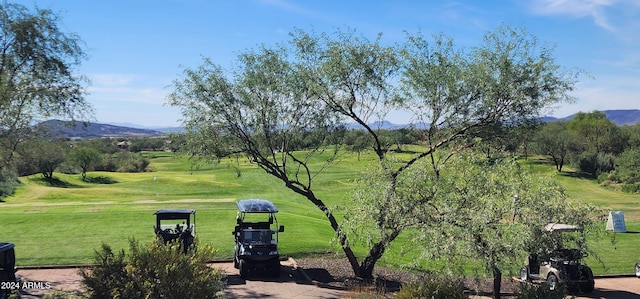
(477, 214)
(37, 74)
(316, 81)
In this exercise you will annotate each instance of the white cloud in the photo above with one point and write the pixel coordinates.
(606, 93)
(131, 98)
(595, 9)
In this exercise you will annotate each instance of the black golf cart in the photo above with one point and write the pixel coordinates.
(256, 237)
(8, 280)
(176, 226)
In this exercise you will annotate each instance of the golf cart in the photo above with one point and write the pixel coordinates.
(560, 266)
(176, 226)
(8, 279)
(256, 237)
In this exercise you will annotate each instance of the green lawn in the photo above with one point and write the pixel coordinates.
(64, 224)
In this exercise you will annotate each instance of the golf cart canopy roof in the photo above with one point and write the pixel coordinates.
(559, 227)
(5, 246)
(256, 206)
(174, 214)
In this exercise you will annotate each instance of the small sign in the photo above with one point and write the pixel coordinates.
(616, 223)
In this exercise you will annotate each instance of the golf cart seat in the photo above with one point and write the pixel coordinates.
(533, 263)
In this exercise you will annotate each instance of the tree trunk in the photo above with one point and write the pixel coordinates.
(351, 256)
(369, 262)
(375, 254)
(47, 174)
(342, 238)
(561, 164)
(497, 282)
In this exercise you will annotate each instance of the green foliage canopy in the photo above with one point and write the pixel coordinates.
(488, 212)
(85, 157)
(318, 81)
(37, 75)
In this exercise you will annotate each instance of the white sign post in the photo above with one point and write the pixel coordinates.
(616, 223)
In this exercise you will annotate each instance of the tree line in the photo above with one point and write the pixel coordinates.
(595, 147)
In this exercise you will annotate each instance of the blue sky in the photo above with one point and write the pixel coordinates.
(136, 48)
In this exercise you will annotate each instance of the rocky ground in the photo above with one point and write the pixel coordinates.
(330, 271)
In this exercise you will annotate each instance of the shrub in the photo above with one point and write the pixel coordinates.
(433, 287)
(106, 163)
(540, 291)
(595, 164)
(128, 162)
(68, 168)
(122, 162)
(8, 182)
(631, 188)
(154, 271)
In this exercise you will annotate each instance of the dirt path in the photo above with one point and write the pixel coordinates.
(292, 283)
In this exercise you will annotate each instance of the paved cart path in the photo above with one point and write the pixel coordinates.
(292, 283)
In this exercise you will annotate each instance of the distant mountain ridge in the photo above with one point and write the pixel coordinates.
(620, 117)
(63, 129)
(67, 129)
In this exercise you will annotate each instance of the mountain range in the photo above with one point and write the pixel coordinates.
(85, 130)
(619, 117)
(67, 129)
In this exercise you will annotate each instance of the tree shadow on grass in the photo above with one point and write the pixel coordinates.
(55, 182)
(540, 161)
(99, 180)
(579, 175)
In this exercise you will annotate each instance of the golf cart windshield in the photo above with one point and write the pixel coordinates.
(175, 221)
(258, 236)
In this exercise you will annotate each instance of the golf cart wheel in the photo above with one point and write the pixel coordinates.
(552, 280)
(638, 269)
(244, 269)
(588, 289)
(524, 274)
(235, 262)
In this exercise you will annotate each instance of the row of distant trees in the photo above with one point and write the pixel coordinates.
(596, 147)
(47, 156)
(590, 143)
